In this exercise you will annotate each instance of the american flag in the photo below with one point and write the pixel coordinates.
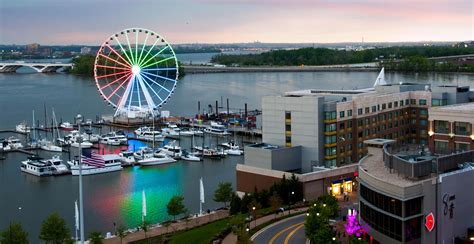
(95, 160)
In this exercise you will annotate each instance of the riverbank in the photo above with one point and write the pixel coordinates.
(190, 69)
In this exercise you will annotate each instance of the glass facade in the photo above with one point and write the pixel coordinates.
(462, 128)
(441, 126)
(382, 223)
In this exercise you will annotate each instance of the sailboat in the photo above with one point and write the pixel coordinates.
(147, 157)
(191, 156)
(232, 147)
(33, 143)
(49, 145)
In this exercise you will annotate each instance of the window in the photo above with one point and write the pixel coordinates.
(423, 112)
(374, 109)
(407, 102)
(422, 101)
(441, 126)
(441, 146)
(287, 115)
(367, 110)
(330, 151)
(462, 128)
(381, 201)
(401, 103)
(384, 106)
(341, 126)
(349, 112)
(288, 139)
(395, 104)
(359, 111)
(330, 115)
(389, 105)
(384, 224)
(341, 114)
(288, 127)
(330, 139)
(413, 101)
(349, 135)
(424, 122)
(438, 102)
(330, 127)
(349, 124)
(462, 147)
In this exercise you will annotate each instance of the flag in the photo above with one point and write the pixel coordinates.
(201, 190)
(143, 204)
(76, 215)
(95, 160)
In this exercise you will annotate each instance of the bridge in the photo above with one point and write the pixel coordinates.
(38, 67)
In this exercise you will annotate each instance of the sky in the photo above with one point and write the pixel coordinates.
(89, 22)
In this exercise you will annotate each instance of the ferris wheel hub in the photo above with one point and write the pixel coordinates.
(136, 69)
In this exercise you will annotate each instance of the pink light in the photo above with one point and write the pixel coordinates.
(352, 226)
(118, 73)
(107, 57)
(120, 56)
(121, 77)
(116, 89)
(111, 67)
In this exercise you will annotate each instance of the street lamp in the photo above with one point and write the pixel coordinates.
(81, 202)
(291, 197)
(254, 216)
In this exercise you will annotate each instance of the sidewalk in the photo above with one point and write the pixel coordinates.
(232, 239)
(180, 225)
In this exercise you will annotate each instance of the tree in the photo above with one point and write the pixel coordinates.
(224, 193)
(95, 237)
(175, 206)
(14, 234)
(145, 226)
(275, 203)
(54, 229)
(121, 232)
(235, 204)
(331, 203)
(239, 228)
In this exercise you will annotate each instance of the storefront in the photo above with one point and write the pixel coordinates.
(340, 186)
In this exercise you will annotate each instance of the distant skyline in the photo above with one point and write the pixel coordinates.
(89, 22)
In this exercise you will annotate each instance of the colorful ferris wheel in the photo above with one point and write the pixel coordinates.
(136, 71)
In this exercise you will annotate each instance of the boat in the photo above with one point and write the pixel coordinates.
(109, 140)
(213, 153)
(127, 158)
(91, 137)
(234, 152)
(66, 126)
(36, 166)
(151, 135)
(146, 157)
(230, 145)
(71, 140)
(216, 129)
(197, 132)
(57, 165)
(172, 131)
(23, 128)
(190, 156)
(12, 143)
(112, 163)
(49, 146)
(171, 150)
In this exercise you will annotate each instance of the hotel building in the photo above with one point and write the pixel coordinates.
(311, 132)
(409, 195)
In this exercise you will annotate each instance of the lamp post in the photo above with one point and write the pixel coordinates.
(81, 202)
(290, 198)
(254, 217)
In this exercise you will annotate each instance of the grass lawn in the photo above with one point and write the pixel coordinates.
(202, 234)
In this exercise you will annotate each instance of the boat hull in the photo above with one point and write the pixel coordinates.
(94, 170)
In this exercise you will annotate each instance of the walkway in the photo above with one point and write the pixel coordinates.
(180, 225)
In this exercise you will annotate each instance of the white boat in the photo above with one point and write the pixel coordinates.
(12, 143)
(230, 145)
(190, 157)
(91, 137)
(146, 157)
(197, 132)
(66, 126)
(35, 166)
(213, 153)
(112, 163)
(109, 140)
(171, 150)
(143, 129)
(57, 165)
(71, 139)
(23, 128)
(234, 152)
(216, 129)
(172, 131)
(151, 135)
(49, 146)
(127, 158)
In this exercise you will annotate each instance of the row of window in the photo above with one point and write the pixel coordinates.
(443, 147)
(460, 128)
(383, 106)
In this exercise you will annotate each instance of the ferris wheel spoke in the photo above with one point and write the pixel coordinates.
(151, 88)
(148, 52)
(113, 74)
(143, 48)
(158, 84)
(111, 67)
(116, 89)
(145, 64)
(116, 53)
(158, 69)
(161, 77)
(130, 97)
(148, 98)
(115, 81)
(136, 47)
(123, 50)
(113, 60)
(130, 48)
(159, 62)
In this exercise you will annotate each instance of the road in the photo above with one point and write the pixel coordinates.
(286, 231)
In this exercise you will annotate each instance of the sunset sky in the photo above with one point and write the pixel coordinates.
(230, 21)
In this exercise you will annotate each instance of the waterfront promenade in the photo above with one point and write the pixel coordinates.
(179, 225)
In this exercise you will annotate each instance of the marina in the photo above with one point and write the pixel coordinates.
(121, 190)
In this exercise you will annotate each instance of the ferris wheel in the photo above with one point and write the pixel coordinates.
(136, 71)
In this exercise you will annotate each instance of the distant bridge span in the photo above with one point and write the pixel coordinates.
(38, 67)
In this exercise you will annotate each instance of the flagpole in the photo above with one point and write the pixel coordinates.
(81, 202)
(76, 218)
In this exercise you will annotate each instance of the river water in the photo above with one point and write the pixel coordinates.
(116, 197)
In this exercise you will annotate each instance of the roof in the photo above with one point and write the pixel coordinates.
(462, 107)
